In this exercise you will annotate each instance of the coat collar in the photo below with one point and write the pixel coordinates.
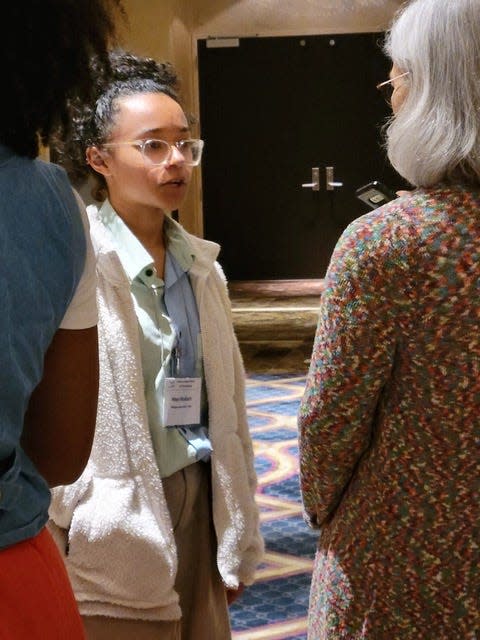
(205, 251)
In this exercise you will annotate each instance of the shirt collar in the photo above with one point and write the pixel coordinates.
(178, 245)
(5, 153)
(136, 260)
(133, 255)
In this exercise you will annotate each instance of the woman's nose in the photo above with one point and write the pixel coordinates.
(175, 156)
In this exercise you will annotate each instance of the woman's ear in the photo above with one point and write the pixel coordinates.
(98, 160)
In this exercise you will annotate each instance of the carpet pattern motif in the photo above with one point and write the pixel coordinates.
(275, 607)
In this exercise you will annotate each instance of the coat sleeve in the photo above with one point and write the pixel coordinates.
(254, 552)
(352, 359)
(254, 548)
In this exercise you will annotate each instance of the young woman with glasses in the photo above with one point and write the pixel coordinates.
(161, 531)
(390, 419)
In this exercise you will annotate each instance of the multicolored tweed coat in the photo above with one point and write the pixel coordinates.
(390, 426)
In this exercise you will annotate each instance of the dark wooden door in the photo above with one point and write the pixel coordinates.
(271, 110)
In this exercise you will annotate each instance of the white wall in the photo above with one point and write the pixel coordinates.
(274, 17)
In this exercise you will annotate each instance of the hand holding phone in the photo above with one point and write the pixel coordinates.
(375, 194)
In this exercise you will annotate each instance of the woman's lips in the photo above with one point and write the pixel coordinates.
(174, 183)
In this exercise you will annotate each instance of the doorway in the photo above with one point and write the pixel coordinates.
(292, 129)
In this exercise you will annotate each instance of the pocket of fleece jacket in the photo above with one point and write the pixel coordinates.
(118, 552)
(66, 498)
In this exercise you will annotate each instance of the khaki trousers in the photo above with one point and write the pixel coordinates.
(198, 583)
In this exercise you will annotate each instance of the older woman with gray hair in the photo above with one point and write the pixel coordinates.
(390, 419)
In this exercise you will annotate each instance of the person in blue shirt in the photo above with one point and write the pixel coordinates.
(161, 531)
(48, 336)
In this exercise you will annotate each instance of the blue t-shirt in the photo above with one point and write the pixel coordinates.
(42, 249)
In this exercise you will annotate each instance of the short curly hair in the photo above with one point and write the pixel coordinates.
(45, 48)
(92, 122)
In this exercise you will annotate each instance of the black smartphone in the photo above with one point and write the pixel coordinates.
(375, 194)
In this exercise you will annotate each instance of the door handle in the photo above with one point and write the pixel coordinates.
(331, 183)
(314, 185)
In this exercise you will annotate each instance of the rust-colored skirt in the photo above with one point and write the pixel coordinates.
(36, 599)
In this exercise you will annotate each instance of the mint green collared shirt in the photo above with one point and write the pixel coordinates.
(159, 336)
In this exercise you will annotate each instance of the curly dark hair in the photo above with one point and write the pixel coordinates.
(45, 48)
(92, 122)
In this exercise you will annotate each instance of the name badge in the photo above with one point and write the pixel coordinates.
(182, 401)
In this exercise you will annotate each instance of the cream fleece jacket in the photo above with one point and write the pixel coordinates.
(120, 551)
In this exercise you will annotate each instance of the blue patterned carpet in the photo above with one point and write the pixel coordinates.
(275, 607)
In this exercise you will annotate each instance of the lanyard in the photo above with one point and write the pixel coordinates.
(176, 351)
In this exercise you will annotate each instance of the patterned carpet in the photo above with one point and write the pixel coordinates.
(275, 607)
